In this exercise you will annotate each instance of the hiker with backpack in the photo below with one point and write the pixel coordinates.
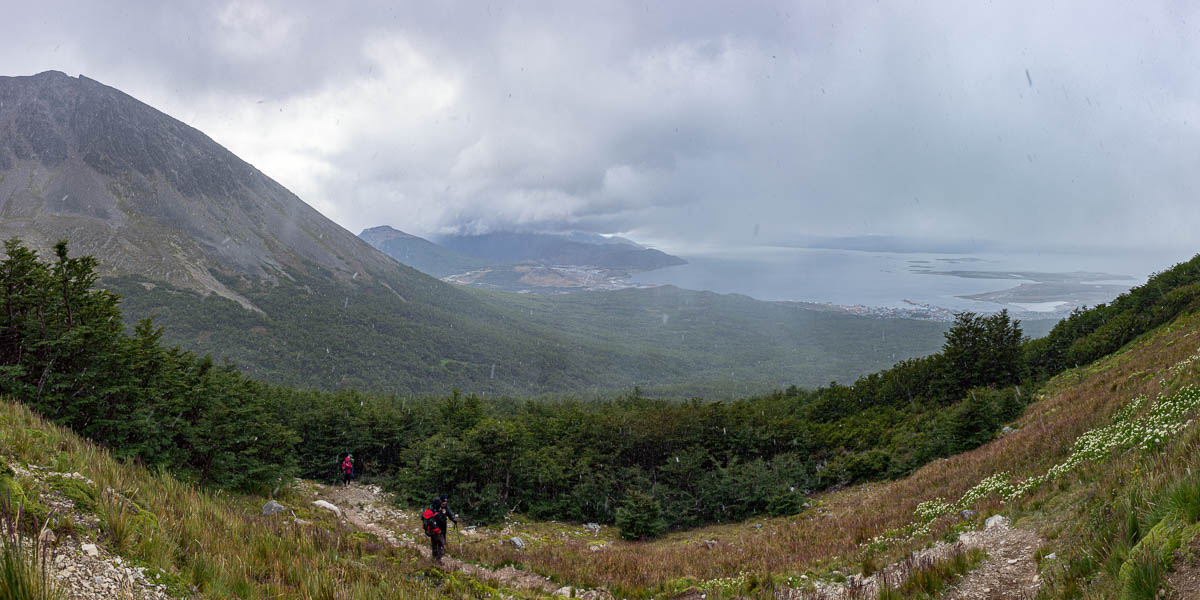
(433, 521)
(347, 469)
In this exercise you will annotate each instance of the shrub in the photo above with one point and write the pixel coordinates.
(640, 517)
(785, 503)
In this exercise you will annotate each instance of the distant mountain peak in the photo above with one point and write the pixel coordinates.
(564, 249)
(383, 233)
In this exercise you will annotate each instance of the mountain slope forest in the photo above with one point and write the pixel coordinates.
(1098, 463)
(234, 265)
(65, 352)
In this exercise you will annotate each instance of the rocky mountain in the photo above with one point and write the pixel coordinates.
(231, 263)
(154, 197)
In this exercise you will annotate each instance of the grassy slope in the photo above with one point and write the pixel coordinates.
(219, 544)
(216, 544)
(836, 532)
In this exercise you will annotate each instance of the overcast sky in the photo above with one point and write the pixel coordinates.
(683, 124)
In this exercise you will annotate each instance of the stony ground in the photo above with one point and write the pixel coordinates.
(1008, 573)
(79, 567)
(1184, 581)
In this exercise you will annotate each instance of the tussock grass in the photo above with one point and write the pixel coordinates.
(24, 562)
(215, 544)
(828, 535)
(1119, 524)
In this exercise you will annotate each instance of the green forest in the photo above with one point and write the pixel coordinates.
(316, 331)
(646, 464)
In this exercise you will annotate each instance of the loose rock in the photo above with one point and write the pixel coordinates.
(327, 506)
(996, 521)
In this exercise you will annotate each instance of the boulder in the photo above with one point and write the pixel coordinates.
(272, 508)
(518, 542)
(327, 506)
(592, 527)
(565, 591)
(996, 521)
(90, 550)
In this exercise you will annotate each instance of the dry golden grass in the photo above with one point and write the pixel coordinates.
(830, 534)
(217, 545)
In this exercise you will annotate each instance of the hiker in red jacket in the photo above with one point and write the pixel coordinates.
(433, 521)
(348, 469)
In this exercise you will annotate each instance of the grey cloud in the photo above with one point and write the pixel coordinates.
(680, 120)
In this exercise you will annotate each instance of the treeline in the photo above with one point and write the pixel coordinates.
(64, 351)
(646, 464)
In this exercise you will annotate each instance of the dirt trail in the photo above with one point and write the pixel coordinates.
(1008, 573)
(1183, 582)
(366, 507)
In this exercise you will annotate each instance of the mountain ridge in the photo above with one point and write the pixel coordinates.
(126, 181)
(515, 247)
(180, 224)
(420, 253)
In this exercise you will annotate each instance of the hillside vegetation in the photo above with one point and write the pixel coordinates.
(313, 333)
(1102, 466)
(185, 541)
(1115, 435)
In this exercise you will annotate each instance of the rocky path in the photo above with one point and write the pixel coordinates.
(1183, 583)
(367, 508)
(1008, 573)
